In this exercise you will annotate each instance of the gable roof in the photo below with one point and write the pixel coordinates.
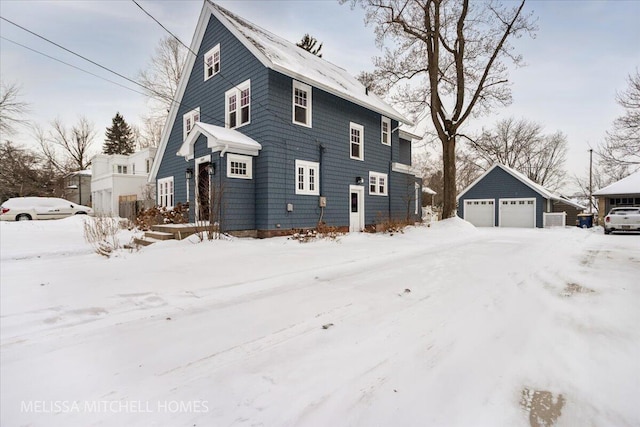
(547, 194)
(219, 139)
(628, 185)
(279, 55)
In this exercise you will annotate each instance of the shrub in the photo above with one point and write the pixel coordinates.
(102, 233)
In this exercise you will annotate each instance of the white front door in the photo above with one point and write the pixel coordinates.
(356, 208)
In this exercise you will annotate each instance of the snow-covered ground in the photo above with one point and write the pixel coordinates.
(441, 326)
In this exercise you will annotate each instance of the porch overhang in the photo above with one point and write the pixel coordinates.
(219, 139)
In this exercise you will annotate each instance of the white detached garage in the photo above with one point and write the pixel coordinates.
(503, 197)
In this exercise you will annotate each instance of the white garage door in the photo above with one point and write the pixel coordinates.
(518, 213)
(479, 212)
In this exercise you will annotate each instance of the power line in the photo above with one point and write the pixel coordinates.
(164, 28)
(71, 65)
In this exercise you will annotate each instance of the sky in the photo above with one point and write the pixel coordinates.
(580, 57)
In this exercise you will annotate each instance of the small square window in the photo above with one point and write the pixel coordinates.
(189, 120)
(239, 166)
(378, 183)
(306, 176)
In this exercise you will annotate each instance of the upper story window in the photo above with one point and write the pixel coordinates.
(356, 143)
(147, 164)
(120, 169)
(301, 104)
(212, 62)
(189, 120)
(165, 192)
(307, 174)
(239, 166)
(378, 183)
(238, 105)
(385, 126)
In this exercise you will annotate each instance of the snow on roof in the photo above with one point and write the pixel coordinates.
(289, 59)
(428, 190)
(628, 185)
(219, 139)
(528, 182)
(86, 172)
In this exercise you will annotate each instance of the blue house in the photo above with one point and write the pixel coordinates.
(265, 137)
(504, 197)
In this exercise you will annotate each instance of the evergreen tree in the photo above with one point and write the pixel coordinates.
(119, 137)
(308, 43)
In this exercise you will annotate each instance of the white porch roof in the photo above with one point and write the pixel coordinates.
(219, 139)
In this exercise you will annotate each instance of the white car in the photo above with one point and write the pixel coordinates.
(28, 208)
(622, 219)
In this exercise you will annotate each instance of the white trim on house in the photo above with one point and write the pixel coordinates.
(302, 101)
(189, 120)
(307, 178)
(212, 62)
(402, 168)
(239, 166)
(356, 137)
(378, 184)
(385, 131)
(219, 139)
(356, 219)
(165, 192)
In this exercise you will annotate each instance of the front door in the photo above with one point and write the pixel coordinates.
(203, 192)
(356, 208)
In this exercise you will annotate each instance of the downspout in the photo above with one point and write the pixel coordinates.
(321, 149)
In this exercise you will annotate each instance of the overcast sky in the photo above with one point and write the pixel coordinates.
(582, 55)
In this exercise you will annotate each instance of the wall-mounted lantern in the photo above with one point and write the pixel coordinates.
(359, 180)
(189, 173)
(211, 169)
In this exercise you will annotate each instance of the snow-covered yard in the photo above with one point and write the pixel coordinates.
(441, 326)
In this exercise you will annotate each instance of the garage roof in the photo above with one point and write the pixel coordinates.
(628, 185)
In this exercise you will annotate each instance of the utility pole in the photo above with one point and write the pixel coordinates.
(590, 180)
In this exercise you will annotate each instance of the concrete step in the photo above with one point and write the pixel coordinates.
(159, 235)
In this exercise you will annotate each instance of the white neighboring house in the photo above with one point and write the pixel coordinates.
(116, 175)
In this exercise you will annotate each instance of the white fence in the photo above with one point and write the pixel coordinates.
(554, 219)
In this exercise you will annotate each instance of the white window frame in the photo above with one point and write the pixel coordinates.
(378, 180)
(237, 92)
(360, 129)
(211, 56)
(307, 89)
(238, 158)
(310, 174)
(121, 169)
(188, 121)
(385, 121)
(165, 192)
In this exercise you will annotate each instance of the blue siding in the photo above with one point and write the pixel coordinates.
(499, 184)
(261, 203)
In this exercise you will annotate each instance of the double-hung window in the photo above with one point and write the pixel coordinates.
(307, 175)
(238, 105)
(212, 62)
(121, 169)
(189, 120)
(165, 192)
(356, 141)
(301, 104)
(378, 183)
(239, 166)
(385, 126)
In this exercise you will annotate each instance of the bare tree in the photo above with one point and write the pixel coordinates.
(523, 146)
(161, 80)
(66, 149)
(457, 48)
(622, 145)
(11, 109)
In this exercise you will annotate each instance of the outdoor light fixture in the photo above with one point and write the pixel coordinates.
(211, 169)
(189, 173)
(359, 180)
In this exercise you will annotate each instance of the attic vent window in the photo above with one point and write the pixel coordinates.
(212, 62)
(238, 105)
(301, 104)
